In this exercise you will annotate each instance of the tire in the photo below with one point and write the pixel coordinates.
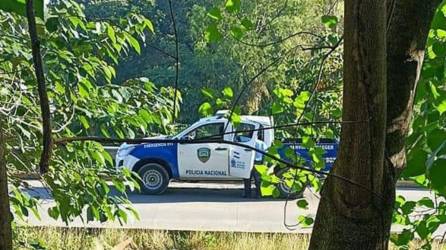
(284, 189)
(154, 179)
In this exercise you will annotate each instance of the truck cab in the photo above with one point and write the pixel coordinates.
(158, 163)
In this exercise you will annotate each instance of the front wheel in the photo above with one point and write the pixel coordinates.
(284, 189)
(154, 178)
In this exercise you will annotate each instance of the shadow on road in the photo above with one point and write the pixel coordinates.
(174, 195)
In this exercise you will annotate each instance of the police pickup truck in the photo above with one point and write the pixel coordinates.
(174, 158)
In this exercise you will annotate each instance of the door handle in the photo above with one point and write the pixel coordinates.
(248, 150)
(221, 149)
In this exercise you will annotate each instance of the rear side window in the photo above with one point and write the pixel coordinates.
(244, 132)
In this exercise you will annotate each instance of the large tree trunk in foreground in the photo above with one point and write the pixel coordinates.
(5, 214)
(349, 217)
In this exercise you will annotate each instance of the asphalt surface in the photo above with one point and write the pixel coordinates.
(207, 207)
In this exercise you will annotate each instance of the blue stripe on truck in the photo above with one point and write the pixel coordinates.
(167, 152)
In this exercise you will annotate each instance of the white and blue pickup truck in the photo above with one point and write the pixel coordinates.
(159, 162)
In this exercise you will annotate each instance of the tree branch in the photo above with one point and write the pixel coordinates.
(281, 40)
(43, 96)
(177, 60)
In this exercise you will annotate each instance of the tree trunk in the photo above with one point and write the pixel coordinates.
(409, 25)
(339, 224)
(353, 216)
(5, 214)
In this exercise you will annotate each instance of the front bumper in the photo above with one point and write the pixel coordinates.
(128, 161)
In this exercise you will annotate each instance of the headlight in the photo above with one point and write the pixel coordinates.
(124, 151)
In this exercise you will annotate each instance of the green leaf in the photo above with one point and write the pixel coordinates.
(208, 93)
(305, 221)
(53, 212)
(235, 118)
(301, 99)
(408, 207)
(111, 33)
(330, 21)
(232, 5)
(262, 169)
(133, 42)
(435, 138)
(422, 230)
(276, 108)
(302, 203)
(84, 122)
(205, 109)
(427, 202)
(227, 92)
(403, 238)
(416, 163)
(98, 157)
(437, 175)
(212, 34)
(267, 189)
(215, 14)
(439, 49)
(237, 32)
(442, 107)
(19, 7)
(149, 25)
(247, 24)
(119, 185)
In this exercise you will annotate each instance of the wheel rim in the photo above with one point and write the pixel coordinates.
(152, 179)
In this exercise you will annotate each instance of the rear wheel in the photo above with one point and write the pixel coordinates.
(285, 190)
(154, 178)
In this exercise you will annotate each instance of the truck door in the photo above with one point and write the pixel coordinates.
(204, 160)
(241, 160)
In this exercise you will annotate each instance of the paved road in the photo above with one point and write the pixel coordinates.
(214, 207)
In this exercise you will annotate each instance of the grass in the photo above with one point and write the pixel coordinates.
(101, 239)
(78, 238)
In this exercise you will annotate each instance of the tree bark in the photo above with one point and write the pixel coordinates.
(5, 214)
(43, 95)
(351, 217)
(337, 224)
(408, 28)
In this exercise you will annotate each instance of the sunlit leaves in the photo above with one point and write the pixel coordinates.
(80, 56)
(205, 109)
(227, 92)
(218, 101)
(330, 21)
(441, 108)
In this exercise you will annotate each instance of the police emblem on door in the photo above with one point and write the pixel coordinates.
(204, 154)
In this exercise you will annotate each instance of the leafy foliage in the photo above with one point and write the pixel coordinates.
(80, 58)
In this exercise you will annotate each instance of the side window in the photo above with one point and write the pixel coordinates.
(244, 132)
(212, 131)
